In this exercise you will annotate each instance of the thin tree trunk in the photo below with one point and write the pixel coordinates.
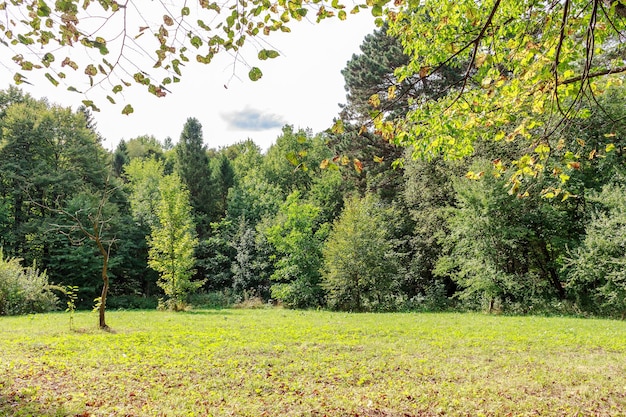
(105, 279)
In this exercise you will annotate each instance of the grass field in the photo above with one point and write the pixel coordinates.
(290, 363)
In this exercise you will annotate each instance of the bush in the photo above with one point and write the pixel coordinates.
(24, 290)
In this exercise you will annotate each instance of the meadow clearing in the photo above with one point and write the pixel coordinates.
(277, 362)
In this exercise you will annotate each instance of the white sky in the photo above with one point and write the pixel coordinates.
(302, 87)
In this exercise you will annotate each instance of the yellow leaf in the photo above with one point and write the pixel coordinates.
(374, 100)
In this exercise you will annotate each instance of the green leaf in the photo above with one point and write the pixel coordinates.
(255, 74)
(128, 109)
(377, 10)
(90, 103)
(292, 158)
(196, 41)
(267, 53)
(42, 9)
(51, 79)
(185, 11)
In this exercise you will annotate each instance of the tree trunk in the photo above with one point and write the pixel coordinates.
(105, 279)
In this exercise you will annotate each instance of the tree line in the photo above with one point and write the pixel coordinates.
(343, 219)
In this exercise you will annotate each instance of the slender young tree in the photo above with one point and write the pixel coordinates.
(172, 243)
(91, 217)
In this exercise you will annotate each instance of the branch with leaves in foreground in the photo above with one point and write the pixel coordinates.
(129, 44)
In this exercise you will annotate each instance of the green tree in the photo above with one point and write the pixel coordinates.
(528, 69)
(359, 259)
(120, 157)
(222, 179)
(251, 267)
(172, 243)
(297, 238)
(47, 155)
(192, 166)
(596, 270)
(505, 248)
(144, 177)
(294, 160)
(146, 146)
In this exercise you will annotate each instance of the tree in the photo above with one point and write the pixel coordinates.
(503, 248)
(251, 267)
(521, 58)
(359, 260)
(192, 166)
(529, 68)
(294, 160)
(34, 33)
(297, 238)
(223, 179)
(143, 147)
(144, 177)
(172, 243)
(120, 157)
(91, 216)
(596, 270)
(48, 155)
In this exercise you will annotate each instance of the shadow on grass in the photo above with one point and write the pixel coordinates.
(15, 404)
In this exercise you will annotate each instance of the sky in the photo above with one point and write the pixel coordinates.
(302, 87)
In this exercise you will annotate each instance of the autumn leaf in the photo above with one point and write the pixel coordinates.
(358, 166)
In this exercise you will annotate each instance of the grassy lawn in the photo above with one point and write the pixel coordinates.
(292, 363)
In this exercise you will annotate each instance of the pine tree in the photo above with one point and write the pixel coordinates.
(192, 166)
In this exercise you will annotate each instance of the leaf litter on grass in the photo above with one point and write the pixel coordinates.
(293, 363)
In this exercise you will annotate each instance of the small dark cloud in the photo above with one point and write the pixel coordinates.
(252, 119)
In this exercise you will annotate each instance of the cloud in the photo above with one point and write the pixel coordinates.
(252, 119)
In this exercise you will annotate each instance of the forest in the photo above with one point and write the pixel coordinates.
(344, 219)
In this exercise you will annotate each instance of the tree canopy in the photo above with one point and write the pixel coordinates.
(523, 69)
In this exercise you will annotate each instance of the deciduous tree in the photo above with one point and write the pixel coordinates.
(172, 243)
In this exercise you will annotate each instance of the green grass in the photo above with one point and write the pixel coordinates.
(291, 363)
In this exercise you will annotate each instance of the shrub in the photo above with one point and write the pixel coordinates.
(24, 290)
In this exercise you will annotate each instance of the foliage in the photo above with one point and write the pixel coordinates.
(24, 290)
(214, 256)
(48, 31)
(251, 266)
(294, 159)
(47, 155)
(501, 247)
(428, 196)
(529, 68)
(297, 238)
(596, 269)
(359, 259)
(290, 363)
(172, 243)
(222, 179)
(144, 177)
(192, 166)
(142, 147)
